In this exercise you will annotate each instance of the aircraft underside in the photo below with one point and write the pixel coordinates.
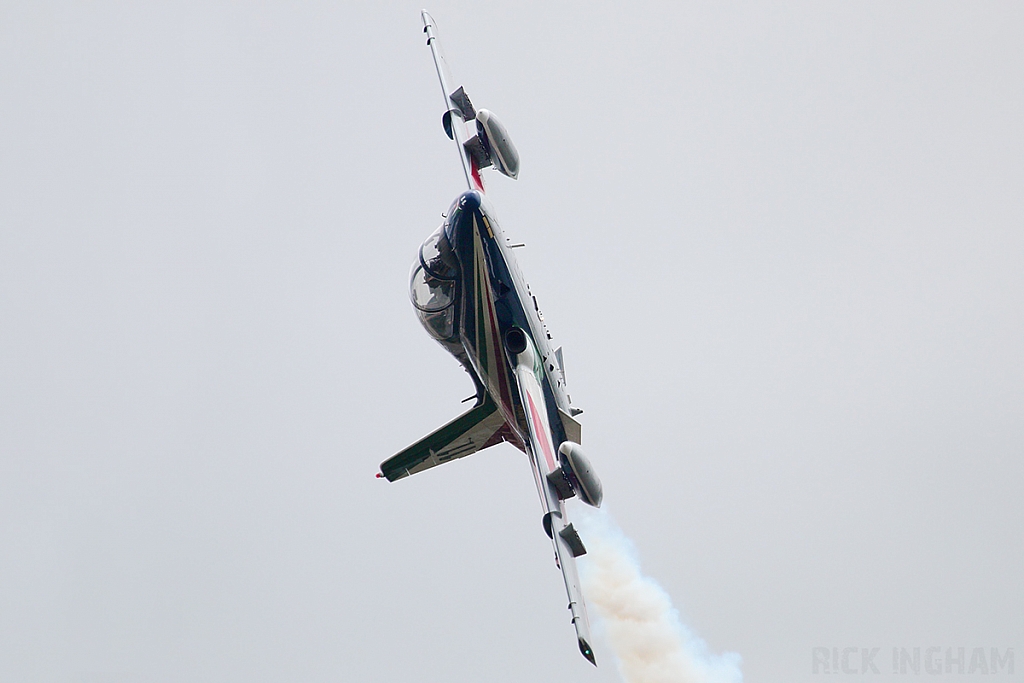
(471, 298)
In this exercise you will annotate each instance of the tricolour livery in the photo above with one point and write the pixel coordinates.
(471, 297)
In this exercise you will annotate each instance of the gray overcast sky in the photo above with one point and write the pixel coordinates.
(781, 244)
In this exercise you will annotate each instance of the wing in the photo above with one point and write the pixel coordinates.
(458, 108)
(544, 460)
(481, 426)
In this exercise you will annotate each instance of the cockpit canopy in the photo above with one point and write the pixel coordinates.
(430, 294)
(437, 256)
(432, 286)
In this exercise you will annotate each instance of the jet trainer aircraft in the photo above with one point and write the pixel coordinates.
(471, 297)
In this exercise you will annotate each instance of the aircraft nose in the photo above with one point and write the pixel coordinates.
(470, 201)
(465, 213)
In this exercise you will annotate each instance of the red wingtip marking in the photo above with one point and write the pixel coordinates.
(380, 476)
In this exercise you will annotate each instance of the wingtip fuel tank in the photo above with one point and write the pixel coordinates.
(587, 651)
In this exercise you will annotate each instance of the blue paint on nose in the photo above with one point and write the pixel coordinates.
(464, 209)
(470, 201)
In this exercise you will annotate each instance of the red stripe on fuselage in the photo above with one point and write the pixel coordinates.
(545, 440)
(476, 175)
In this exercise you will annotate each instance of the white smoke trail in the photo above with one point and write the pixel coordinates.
(651, 644)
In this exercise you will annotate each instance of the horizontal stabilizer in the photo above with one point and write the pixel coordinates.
(481, 426)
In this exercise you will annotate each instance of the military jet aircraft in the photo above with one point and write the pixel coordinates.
(471, 297)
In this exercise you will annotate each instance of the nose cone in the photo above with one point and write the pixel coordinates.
(466, 211)
(470, 201)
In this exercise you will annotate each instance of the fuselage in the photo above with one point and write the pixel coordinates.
(490, 298)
